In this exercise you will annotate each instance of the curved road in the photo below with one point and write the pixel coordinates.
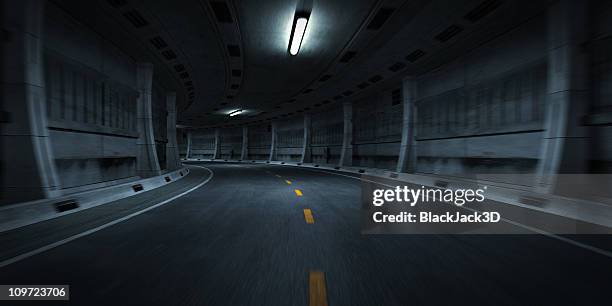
(243, 238)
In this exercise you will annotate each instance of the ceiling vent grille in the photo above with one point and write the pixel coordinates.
(117, 3)
(135, 19)
(221, 11)
(233, 50)
(482, 10)
(348, 55)
(449, 33)
(375, 78)
(169, 54)
(415, 55)
(158, 42)
(396, 96)
(397, 66)
(380, 18)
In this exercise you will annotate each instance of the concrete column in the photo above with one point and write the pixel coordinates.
(245, 143)
(172, 153)
(273, 142)
(306, 150)
(188, 151)
(27, 165)
(346, 155)
(566, 140)
(407, 155)
(217, 153)
(147, 163)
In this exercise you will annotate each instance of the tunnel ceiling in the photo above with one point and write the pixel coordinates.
(223, 55)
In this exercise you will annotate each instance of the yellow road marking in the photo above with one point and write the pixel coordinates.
(308, 216)
(298, 192)
(317, 295)
(288, 182)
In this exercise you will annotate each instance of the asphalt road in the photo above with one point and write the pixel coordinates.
(244, 239)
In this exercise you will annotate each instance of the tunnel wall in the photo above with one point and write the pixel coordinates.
(484, 112)
(260, 137)
(91, 104)
(377, 129)
(231, 143)
(181, 141)
(326, 138)
(601, 73)
(202, 143)
(159, 113)
(290, 140)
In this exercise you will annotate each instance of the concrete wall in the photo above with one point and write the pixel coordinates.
(230, 143)
(483, 113)
(601, 74)
(326, 139)
(202, 143)
(290, 139)
(160, 128)
(377, 130)
(91, 103)
(181, 140)
(259, 142)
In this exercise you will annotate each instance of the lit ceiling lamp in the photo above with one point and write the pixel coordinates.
(236, 112)
(300, 21)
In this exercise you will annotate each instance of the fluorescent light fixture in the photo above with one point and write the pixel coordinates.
(297, 33)
(236, 112)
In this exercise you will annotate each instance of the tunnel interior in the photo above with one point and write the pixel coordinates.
(182, 147)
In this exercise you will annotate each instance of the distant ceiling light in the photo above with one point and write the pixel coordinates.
(234, 113)
(300, 22)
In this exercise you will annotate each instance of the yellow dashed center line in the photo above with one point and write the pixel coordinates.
(298, 192)
(288, 182)
(317, 295)
(308, 216)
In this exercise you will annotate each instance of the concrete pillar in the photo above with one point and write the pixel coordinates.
(306, 150)
(407, 155)
(147, 162)
(27, 164)
(346, 155)
(172, 153)
(566, 140)
(188, 151)
(273, 142)
(217, 153)
(245, 143)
